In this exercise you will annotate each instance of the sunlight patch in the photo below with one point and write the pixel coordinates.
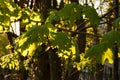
(108, 55)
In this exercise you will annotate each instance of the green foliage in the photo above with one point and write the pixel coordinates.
(34, 37)
(10, 61)
(103, 51)
(11, 12)
(3, 43)
(30, 18)
(70, 13)
(8, 10)
(98, 52)
(39, 33)
(13, 62)
(112, 37)
(91, 14)
(84, 62)
(52, 17)
(117, 23)
(73, 12)
(67, 48)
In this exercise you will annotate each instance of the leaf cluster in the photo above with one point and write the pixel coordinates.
(104, 51)
(39, 33)
(73, 12)
(8, 10)
(11, 12)
(10, 61)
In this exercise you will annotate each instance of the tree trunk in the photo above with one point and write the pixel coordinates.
(75, 1)
(116, 62)
(43, 71)
(54, 4)
(81, 36)
(115, 48)
(98, 75)
(61, 4)
(45, 6)
(55, 65)
(10, 37)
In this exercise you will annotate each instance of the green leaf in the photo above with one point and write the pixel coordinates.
(91, 14)
(30, 18)
(70, 13)
(67, 48)
(3, 43)
(52, 17)
(10, 61)
(103, 51)
(35, 35)
(112, 37)
(5, 20)
(8, 10)
(98, 52)
(117, 22)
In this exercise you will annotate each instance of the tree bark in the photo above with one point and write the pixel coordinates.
(43, 71)
(75, 1)
(115, 48)
(45, 6)
(54, 4)
(116, 62)
(10, 37)
(55, 65)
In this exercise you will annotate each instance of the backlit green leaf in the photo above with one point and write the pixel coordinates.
(65, 44)
(98, 52)
(117, 22)
(91, 14)
(70, 13)
(112, 37)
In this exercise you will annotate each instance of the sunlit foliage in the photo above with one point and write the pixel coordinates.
(3, 43)
(47, 33)
(51, 34)
(104, 50)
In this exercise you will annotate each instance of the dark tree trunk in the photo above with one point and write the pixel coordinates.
(96, 39)
(41, 67)
(116, 62)
(75, 1)
(81, 36)
(22, 3)
(61, 4)
(45, 6)
(10, 37)
(115, 48)
(116, 8)
(43, 71)
(54, 4)
(55, 65)
(31, 4)
(98, 75)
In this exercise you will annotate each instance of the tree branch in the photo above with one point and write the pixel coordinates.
(75, 32)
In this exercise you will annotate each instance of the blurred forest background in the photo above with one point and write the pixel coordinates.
(59, 40)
